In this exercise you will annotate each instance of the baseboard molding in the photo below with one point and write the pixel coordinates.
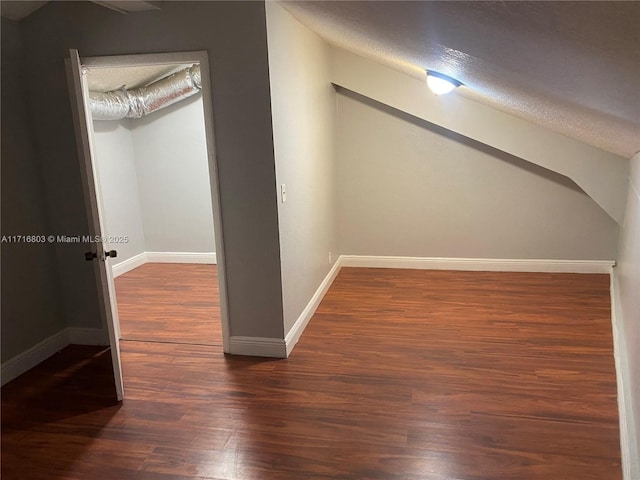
(28, 359)
(129, 264)
(291, 339)
(162, 257)
(181, 257)
(272, 347)
(629, 442)
(87, 336)
(479, 264)
(257, 347)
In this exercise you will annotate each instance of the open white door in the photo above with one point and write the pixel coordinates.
(79, 94)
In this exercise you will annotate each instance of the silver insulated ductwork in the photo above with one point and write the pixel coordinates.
(138, 102)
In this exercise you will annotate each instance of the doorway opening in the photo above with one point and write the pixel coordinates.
(152, 190)
(153, 177)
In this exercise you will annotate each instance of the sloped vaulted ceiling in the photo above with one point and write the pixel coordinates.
(573, 67)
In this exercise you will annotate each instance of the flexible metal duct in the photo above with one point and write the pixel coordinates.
(138, 102)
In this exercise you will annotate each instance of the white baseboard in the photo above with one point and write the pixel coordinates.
(162, 257)
(129, 264)
(181, 257)
(277, 347)
(629, 442)
(28, 359)
(258, 347)
(291, 339)
(274, 347)
(479, 264)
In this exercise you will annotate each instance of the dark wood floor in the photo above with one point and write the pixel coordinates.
(400, 375)
(175, 302)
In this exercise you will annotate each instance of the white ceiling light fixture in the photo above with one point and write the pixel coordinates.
(440, 84)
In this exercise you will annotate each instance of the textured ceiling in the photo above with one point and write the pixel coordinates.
(106, 79)
(571, 66)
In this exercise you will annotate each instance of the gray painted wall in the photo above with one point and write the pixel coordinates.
(234, 35)
(628, 280)
(173, 179)
(31, 309)
(410, 188)
(116, 172)
(154, 177)
(602, 174)
(303, 104)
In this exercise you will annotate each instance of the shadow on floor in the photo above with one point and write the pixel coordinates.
(71, 393)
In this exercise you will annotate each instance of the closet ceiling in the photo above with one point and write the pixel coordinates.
(114, 78)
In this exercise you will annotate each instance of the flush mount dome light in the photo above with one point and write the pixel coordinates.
(440, 83)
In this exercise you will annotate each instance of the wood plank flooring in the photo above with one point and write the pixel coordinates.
(401, 374)
(170, 302)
